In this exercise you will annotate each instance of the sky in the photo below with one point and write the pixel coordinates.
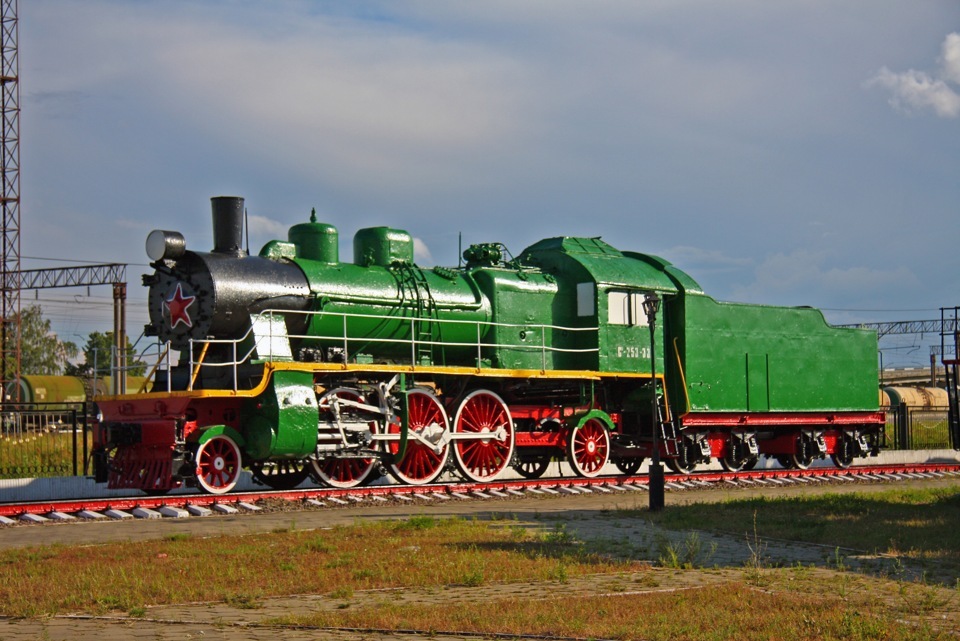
(799, 152)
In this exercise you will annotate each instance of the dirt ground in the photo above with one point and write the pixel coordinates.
(600, 517)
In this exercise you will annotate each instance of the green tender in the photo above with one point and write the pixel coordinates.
(756, 358)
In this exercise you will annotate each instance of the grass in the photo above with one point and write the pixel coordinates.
(732, 610)
(920, 525)
(39, 454)
(416, 553)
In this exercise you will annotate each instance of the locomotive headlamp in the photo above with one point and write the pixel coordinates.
(163, 245)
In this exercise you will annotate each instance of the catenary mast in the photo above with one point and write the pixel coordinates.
(10, 195)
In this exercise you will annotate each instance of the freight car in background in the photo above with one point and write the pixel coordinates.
(296, 364)
(32, 391)
(917, 417)
(42, 403)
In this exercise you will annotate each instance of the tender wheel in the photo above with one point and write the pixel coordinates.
(735, 459)
(800, 461)
(628, 466)
(842, 461)
(421, 463)
(218, 465)
(589, 448)
(843, 457)
(785, 462)
(684, 463)
(343, 471)
(750, 463)
(532, 468)
(483, 460)
(803, 456)
(280, 475)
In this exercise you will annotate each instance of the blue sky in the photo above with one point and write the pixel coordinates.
(790, 153)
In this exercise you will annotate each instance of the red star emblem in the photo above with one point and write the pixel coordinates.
(177, 306)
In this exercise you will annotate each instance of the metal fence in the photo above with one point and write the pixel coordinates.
(915, 428)
(44, 440)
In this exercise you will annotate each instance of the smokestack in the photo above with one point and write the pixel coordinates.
(227, 225)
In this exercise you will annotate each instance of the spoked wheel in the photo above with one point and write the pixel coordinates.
(421, 463)
(589, 448)
(480, 460)
(218, 465)
(532, 468)
(628, 465)
(342, 471)
(785, 461)
(280, 475)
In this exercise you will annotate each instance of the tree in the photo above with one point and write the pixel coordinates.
(41, 352)
(98, 351)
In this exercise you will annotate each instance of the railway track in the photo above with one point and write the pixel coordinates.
(188, 505)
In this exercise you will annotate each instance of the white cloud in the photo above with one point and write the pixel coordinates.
(267, 227)
(711, 259)
(421, 253)
(807, 278)
(950, 58)
(918, 90)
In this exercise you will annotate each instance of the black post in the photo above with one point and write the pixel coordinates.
(651, 305)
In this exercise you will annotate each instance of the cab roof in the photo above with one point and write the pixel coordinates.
(609, 266)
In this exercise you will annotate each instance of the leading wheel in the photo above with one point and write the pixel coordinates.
(280, 475)
(342, 471)
(481, 460)
(218, 464)
(589, 448)
(422, 462)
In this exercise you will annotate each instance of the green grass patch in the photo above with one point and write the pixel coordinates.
(40, 454)
(920, 524)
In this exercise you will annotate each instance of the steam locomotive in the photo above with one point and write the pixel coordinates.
(295, 364)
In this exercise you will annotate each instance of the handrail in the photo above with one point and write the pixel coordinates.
(483, 328)
(195, 368)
